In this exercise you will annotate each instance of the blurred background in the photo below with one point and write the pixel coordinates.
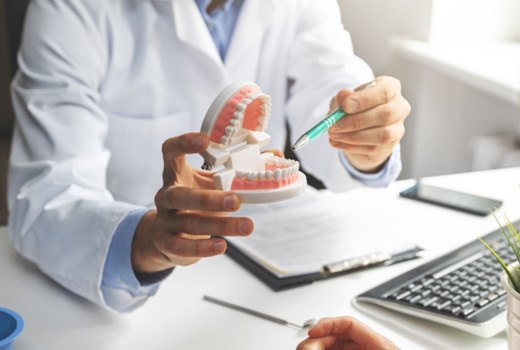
(458, 62)
(459, 65)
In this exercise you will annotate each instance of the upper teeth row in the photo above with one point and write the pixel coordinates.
(276, 174)
(265, 112)
(232, 129)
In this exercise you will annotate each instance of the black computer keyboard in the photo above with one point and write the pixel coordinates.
(461, 289)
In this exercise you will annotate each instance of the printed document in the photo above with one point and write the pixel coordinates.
(302, 235)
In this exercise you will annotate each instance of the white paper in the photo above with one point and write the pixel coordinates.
(304, 234)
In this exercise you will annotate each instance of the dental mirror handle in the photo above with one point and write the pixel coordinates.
(251, 312)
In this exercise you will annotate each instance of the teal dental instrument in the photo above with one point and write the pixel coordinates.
(326, 123)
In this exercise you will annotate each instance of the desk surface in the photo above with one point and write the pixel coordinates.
(178, 318)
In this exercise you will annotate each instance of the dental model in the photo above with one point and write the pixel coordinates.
(236, 123)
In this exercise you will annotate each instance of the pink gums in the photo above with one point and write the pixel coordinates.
(227, 112)
(245, 184)
(251, 114)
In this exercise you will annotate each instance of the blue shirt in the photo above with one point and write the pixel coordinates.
(221, 22)
(121, 289)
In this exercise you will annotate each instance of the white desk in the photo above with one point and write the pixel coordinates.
(178, 318)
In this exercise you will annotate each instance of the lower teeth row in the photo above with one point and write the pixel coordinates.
(276, 174)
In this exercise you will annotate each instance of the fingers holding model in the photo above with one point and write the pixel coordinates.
(374, 124)
(344, 333)
(188, 213)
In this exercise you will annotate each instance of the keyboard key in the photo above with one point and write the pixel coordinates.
(444, 282)
(415, 299)
(456, 297)
(456, 310)
(445, 294)
(403, 295)
(427, 302)
(492, 287)
(416, 288)
(473, 298)
(427, 281)
(467, 311)
(462, 283)
(482, 302)
(465, 304)
(454, 289)
(435, 287)
(484, 293)
(444, 305)
(426, 292)
(464, 292)
(473, 287)
(492, 296)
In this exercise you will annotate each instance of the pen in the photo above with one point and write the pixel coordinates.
(326, 123)
(373, 259)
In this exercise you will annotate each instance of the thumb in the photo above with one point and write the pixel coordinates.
(342, 99)
(323, 343)
(174, 150)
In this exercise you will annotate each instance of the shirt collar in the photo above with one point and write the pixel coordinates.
(203, 4)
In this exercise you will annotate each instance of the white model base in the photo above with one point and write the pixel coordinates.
(274, 195)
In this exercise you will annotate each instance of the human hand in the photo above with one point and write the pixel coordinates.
(375, 123)
(342, 333)
(188, 212)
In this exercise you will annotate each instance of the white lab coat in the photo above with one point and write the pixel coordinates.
(103, 83)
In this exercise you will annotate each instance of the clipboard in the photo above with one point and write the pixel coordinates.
(277, 283)
(310, 238)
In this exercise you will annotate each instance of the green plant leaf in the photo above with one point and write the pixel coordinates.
(510, 235)
(513, 277)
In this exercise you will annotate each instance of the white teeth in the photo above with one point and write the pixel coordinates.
(233, 122)
(276, 174)
(247, 100)
(229, 131)
(224, 139)
(237, 115)
(241, 106)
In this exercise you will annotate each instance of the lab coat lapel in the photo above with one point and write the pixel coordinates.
(192, 30)
(243, 54)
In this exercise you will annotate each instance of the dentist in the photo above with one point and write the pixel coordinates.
(102, 196)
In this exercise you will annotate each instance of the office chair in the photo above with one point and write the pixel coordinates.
(14, 18)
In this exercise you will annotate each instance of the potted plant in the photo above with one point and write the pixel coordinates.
(510, 281)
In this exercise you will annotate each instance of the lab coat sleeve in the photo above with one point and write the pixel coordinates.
(321, 63)
(62, 217)
(122, 290)
(389, 172)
